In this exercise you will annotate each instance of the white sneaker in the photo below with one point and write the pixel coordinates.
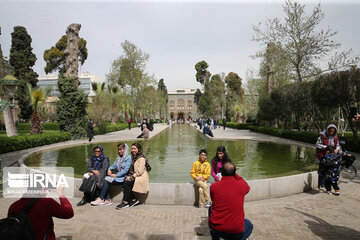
(107, 202)
(98, 201)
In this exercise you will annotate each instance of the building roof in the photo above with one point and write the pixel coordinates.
(185, 91)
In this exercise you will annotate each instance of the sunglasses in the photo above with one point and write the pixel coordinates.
(97, 151)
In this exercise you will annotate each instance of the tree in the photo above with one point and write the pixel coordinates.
(342, 89)
(299, 43)
(71, 107)
(235, 93)
(217, 88)
(148, 100)
(22, 59)
(197, 96)
(128, 71)
(55, 57)
(37, 96)
(202, 74)
(206, 103)
(163, 95)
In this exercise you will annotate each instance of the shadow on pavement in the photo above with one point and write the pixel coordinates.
(203, 229)
(153, 237)
(325, 230)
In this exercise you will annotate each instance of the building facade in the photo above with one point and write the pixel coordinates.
(181, 104)
(51, 81)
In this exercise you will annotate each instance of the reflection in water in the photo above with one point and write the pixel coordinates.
(171, 156)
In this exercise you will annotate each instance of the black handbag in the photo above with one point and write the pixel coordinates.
(88, 185)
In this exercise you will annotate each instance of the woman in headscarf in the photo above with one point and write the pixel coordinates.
(96, 168)
(116, 174)
(327, 138)
(137, 179)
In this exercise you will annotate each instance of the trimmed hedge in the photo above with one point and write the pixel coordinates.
(352, 143)
(240, 126)
(45, 126)
(9, 144)
(114, 127)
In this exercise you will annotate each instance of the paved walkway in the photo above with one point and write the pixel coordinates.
(311, 215)
(235, 134)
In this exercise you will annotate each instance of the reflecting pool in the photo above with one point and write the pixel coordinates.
(172, 152)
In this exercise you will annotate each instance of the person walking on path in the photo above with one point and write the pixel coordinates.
(116, 174)
(90, 129)
(327, 138)
(224, 122)
(200, 172)
(42, 212)
(218, 161)
(137, 179)
(96, 168)
(226, 215)
(129, 122)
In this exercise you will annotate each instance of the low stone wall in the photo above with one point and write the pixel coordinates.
(187, 194)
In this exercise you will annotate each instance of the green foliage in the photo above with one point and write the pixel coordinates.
(22, 59)
(9, 144)
(234, 88)
(235, 94)
(352, 143)
(55, 57)
(46, 126)
(197, 96)
(315, 103)
(202, 74)
(163, 97)
(71, 107)
(112, 128)
(128, 71)
(206, 104)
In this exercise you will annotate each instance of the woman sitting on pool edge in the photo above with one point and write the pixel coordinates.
(97, 165)
(116, 174)
(137, 179)
(218, 162)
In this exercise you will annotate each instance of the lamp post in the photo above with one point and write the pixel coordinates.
(9, 84)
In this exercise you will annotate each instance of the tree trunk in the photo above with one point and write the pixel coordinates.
(36, 127)
(9, 122)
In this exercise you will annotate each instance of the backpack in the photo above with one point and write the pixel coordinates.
(18, 227)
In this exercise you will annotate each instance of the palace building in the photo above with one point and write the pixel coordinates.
(181, 104)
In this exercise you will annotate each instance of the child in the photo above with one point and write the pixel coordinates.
(329, 169)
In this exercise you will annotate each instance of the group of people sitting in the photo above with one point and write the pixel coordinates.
(130, 171)
(226, 210)
(331, 154)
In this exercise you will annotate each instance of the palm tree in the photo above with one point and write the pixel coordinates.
(37, 96)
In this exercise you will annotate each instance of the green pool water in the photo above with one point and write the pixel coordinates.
(172, 152)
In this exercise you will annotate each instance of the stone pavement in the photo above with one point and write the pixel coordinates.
(311, 215)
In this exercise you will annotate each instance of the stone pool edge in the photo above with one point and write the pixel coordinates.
(187, 194)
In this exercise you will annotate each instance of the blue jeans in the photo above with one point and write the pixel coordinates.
(248, 227)
(105, 190)
(216, 235)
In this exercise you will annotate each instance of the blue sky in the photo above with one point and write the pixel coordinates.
(176, 34)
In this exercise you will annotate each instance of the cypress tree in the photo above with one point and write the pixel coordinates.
(22, 59)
